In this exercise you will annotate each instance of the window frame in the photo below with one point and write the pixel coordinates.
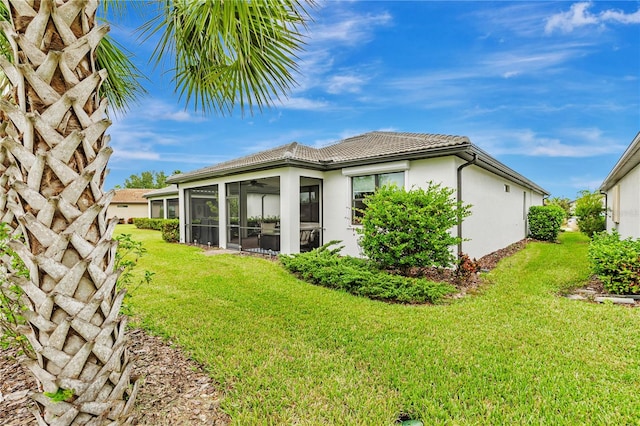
(355, 218)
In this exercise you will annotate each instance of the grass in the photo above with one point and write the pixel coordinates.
(286, 352)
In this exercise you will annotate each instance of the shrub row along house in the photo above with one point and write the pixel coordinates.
(622, 192)
(295, 197)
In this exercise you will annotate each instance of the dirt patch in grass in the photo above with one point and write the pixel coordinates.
(175, 391)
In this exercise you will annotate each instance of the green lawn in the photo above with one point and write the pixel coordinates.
(286, 352)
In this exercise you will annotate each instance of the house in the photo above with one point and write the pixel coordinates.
(295, 197)
(163, 203)
(622, 192)
(127, 204)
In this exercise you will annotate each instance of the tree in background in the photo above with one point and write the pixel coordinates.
(590, 211)
(152, 179)
(562, 202)
(53, 161)
(402, 229)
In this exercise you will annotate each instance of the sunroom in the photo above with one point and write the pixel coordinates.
(252, 214)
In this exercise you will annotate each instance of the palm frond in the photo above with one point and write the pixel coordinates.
(122, 88)
(229, 54)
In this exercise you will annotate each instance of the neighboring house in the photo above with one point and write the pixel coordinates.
(163, 203)
(622, 189)
(128, 204)
(309, 193)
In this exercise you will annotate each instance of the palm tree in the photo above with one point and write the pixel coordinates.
(53, 158)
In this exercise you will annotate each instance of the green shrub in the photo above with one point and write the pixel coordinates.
(591, 225)
(146, 223)
(545, 222)
(171, 230)
(404, 229)
(616, 262)
(590, 212)
(325, 267)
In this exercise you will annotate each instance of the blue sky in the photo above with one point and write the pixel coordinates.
(552, 89)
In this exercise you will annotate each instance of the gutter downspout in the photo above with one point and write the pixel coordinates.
(459, 195)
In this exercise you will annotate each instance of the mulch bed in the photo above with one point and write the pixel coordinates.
(176, 390)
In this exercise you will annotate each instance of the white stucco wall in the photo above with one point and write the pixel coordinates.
(337, 194)
(498, 218)
(629, 205)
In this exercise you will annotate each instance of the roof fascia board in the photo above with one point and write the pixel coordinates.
(206, 174)
(490, 164)
(395, 166)
(623, 166)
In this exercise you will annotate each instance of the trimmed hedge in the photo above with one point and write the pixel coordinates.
(616, 262)
(545, 222)
(170, 228)
(146, 223)
(325, 267)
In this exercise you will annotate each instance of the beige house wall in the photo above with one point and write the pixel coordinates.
(127, 211)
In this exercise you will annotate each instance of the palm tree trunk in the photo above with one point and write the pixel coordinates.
(53, 157)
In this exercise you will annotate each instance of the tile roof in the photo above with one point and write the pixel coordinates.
(131, 196)
(383, 144)
(369, 146)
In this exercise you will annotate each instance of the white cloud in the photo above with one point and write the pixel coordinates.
(350, 29)
(621, 17)
(334, 32)
(585, 182)
(579, 16)
(299, 103)
(345, 84)
(124, 154)
(569, 143)
(160, 110)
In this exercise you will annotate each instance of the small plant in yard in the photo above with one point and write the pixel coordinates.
(590, 212)
(616, 262)
(127, 257)
(324, 266)
(12, 305)
(466, 267)
(545, 222)
(404, 229)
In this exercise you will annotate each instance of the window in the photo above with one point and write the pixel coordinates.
(157, 209)
(310, 203)
(122, 206)
(172, 208)
(362, 186)
(507, 188)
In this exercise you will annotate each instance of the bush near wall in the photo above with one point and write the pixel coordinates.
(616, 262)
(402, 228)
(545, 222)
(171, 230)
(325, 267)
